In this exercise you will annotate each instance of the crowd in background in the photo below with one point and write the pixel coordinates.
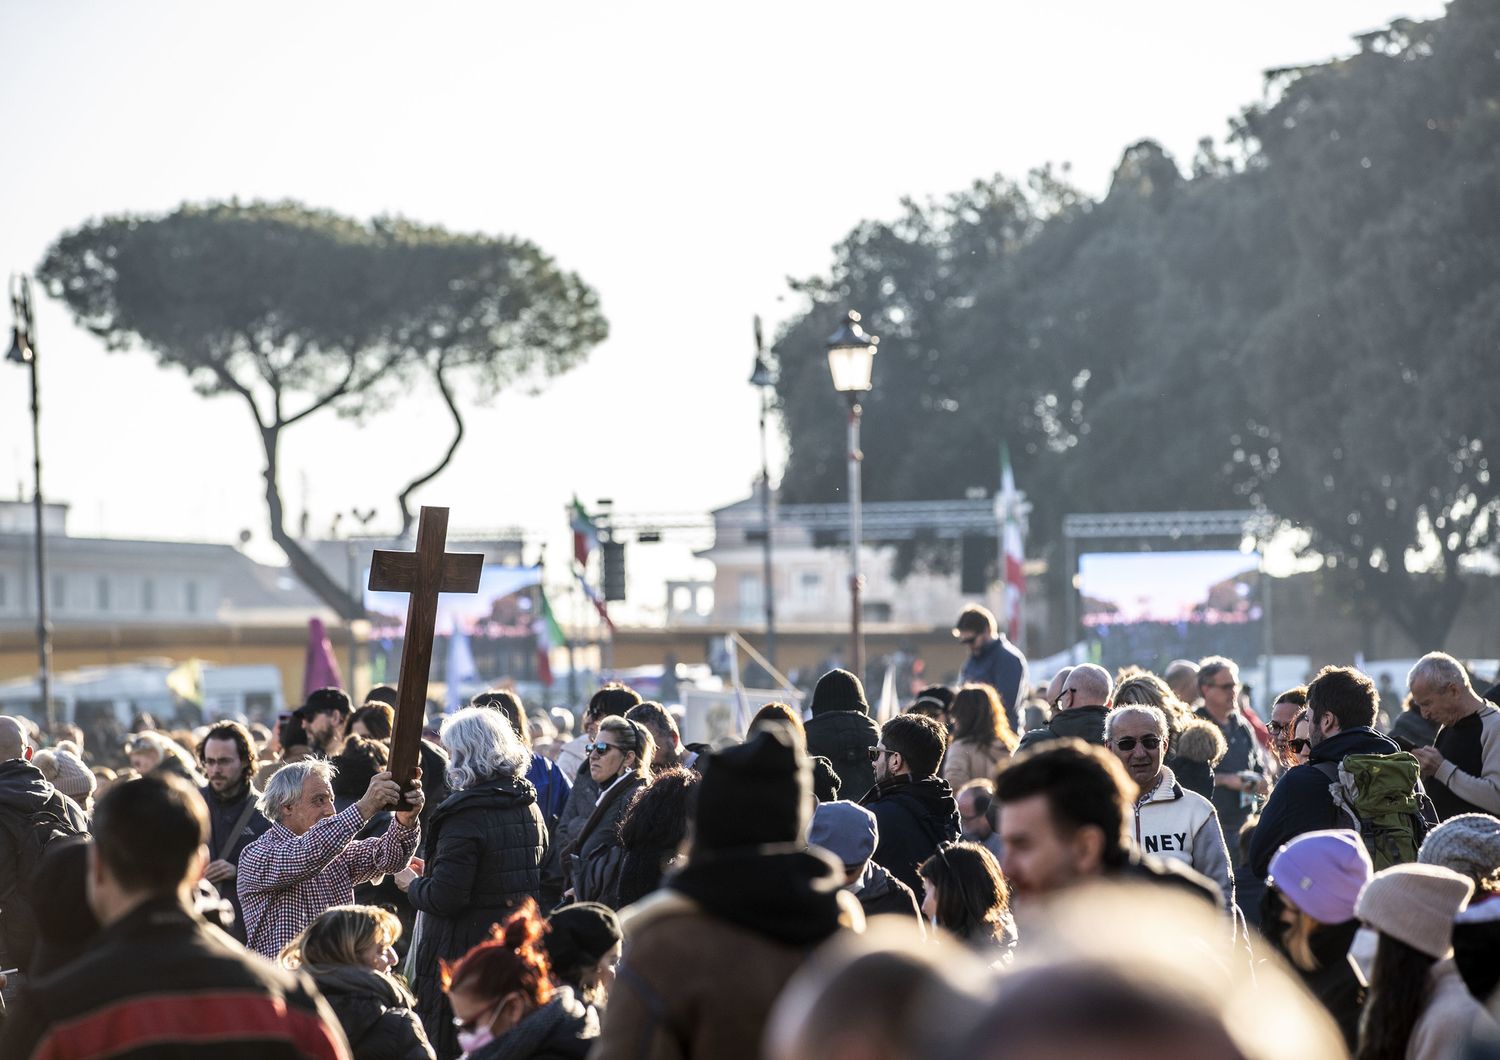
(1111, 864)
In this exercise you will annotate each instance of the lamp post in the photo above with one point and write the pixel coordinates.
(762, 379)
(23, 351)
(851, 359)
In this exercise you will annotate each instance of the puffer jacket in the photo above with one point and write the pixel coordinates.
(484, 859)
(593, 865)
(32, 813)
(845, 738)
(376, 1013)
(1083, 723)
(881, 894)
(1183, 826)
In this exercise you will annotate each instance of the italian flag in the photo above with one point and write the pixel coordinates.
(549, 635)
(585, 533)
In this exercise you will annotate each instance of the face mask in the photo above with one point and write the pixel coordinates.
(1362, 954)
(473, 1041)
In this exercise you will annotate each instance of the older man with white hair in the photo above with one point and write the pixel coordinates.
(1464, 760)
(307, 860)
(1170, 821)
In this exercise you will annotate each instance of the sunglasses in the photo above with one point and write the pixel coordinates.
(478, 1021)
(1299, 746)
(1231, 684)
(600, 748)
(876, 752)
(1127, 743)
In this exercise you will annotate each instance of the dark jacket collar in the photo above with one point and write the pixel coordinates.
(789, 897)
(1361, 741)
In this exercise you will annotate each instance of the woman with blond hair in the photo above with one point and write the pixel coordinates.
(349, 953)
(620, 763)
(151, 750)
(982, 736)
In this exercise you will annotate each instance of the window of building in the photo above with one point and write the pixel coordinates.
(752, 597)
(102, 593)
(148, 595)
(59, 591)
(809, 585)
(190, 597)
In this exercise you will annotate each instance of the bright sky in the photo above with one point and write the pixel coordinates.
(683, 160)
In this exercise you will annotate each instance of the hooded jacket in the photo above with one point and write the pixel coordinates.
(31, 809)
(1300, 802)
(881, 894)
(1182, 826)
(914, 817)
(1084, 723)
(845, 738)
(375, 1012)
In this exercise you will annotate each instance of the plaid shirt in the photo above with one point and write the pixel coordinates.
(286, 880)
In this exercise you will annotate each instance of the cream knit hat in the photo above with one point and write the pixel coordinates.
(1415, 904)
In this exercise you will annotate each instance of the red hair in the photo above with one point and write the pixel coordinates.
(510, 959)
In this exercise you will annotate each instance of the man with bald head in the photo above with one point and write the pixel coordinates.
(1079, 709)
(32, 814)
(1182, 678)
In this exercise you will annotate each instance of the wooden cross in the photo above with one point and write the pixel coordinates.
(423, 573)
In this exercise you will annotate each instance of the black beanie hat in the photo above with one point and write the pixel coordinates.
(839, 690)
(579, 935)
(754, 794)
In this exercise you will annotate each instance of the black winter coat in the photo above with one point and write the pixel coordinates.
(484, 859)
(375, 1012)
(32, 813)
(595, 863)
(1083, 723)
(915, 817)
(845, 738)
(1300, 802)
(575, 814)
(1333, 982)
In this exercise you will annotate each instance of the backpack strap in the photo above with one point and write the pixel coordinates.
(239, 826)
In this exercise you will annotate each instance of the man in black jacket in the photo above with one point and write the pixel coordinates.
(227, 754)
(850, 833)
(32, 813)
(158, 980)
(841, 731)
(914, 807)
(1341, 708)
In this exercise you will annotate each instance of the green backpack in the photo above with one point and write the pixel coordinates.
(1378, 793)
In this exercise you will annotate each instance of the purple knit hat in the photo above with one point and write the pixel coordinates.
(1321, 873)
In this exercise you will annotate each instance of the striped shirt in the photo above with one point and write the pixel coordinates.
(286, 881)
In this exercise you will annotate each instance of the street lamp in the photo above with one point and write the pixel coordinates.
(851, 359)
(762, 378)
(23, 351)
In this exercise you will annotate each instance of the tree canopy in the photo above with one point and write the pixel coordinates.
(296, 310)
(1306, 324)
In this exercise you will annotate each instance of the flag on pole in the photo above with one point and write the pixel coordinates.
(320, 668)
(549, 635)
(585, 533)
(460, 671)
(594, 597)
(1015, 549)
(185, 681)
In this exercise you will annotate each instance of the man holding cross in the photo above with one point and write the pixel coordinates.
(309, 860)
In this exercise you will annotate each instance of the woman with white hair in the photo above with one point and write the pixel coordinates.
(484, 854)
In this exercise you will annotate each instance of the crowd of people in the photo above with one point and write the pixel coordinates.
(1126, 864)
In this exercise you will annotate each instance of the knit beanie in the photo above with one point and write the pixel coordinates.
(838, 690)
(753, 794)
(1469, 844)
(1321, 873)
(846, 830)
(1415, 904)
(74, 779)
(579, 934)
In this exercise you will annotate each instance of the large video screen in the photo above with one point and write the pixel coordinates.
(493, 603)
(1149, 608)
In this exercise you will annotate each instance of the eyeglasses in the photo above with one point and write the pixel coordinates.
(1068, 694)
(1276, 728)
(1221, 688)
(464, 1027)
(968, 639)
(1127, 743)
(600, 748)
(876, 752)
(1299, 746)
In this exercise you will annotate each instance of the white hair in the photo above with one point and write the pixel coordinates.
(286, 784)
(481, 744)
(1438, 668)
(1156, 714)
